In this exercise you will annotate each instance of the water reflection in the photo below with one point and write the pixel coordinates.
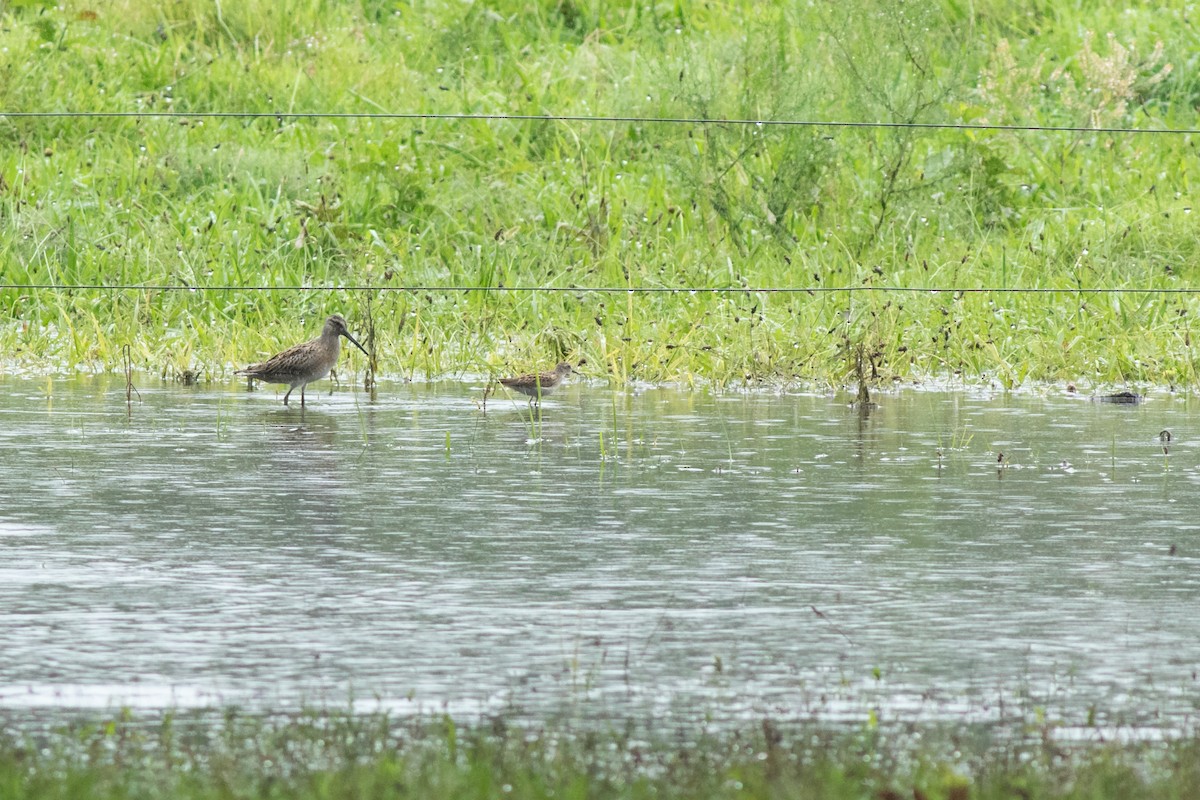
(678, 554)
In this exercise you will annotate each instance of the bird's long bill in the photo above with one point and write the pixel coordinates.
(356, 344)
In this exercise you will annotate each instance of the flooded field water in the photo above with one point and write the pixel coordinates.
(658, 553)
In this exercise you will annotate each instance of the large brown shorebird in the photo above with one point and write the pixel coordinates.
(538, 384)
(306, 362)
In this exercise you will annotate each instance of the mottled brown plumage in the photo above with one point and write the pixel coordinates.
(306, 362)
(538, 384)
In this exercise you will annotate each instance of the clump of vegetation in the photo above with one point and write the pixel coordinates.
(242, 232)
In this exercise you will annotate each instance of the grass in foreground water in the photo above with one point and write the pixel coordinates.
(321, 756)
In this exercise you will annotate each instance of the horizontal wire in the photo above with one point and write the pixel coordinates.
(372, 115)
(138, 287)
(587, 118)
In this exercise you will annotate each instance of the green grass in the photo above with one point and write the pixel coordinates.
(285, 202)
(330, 756)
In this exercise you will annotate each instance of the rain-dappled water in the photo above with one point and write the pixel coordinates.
(681, 555)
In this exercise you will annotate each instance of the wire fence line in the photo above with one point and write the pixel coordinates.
(581, 118)
(597, 118)
(170, 287)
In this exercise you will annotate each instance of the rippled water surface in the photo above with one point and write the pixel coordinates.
(681, 555)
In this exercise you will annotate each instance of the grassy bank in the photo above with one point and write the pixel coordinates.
(283, 202)
(343, 757)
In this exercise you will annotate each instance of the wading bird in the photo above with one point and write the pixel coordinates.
(538, 384)
(306, 362)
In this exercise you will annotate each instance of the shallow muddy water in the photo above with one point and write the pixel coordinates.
(682, 556)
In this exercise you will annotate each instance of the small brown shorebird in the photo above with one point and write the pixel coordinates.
(306, 362)
(538, 384)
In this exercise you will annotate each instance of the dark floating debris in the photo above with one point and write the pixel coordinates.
(1125, 398)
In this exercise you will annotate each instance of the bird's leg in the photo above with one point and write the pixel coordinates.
(289, 392)
(302, 394)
